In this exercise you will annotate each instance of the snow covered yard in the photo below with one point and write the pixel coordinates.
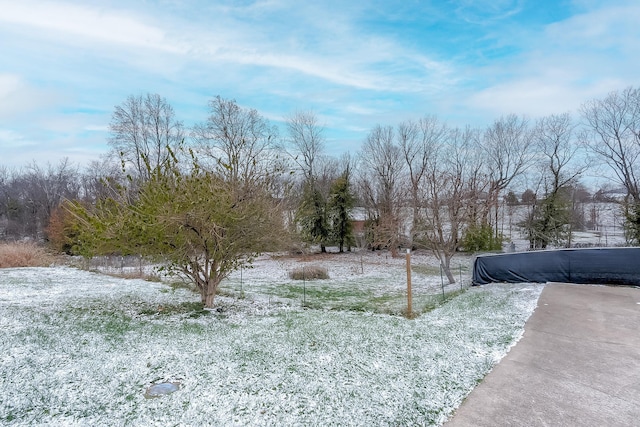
(81, 348)
(358, 281)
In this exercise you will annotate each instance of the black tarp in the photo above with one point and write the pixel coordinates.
(610, 266)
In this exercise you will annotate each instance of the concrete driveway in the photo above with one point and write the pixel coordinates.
(578, 364)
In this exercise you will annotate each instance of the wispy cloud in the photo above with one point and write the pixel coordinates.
(67, 63)
(84, 23)
(572, 61)
(321, 45)
(486, 12)
(18, 97)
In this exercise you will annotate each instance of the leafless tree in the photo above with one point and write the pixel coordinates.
(613, 134)
(450, 177)
(144, 129)
(553, 139)
(507, 146)
(382, 168)
(237, 142)
(560, 167)
(99, 179)
(418, 141)
(307, 140)
(32, 194)
(5, 199)
(306, 149)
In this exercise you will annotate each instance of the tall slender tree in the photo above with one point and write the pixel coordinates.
(418, 141)
(507, 146)
(341, 202)
(382, 168)
(449, 183)
(307, 147)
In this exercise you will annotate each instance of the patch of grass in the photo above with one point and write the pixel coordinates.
(427, 270)
(182, 285)
(431, 302)
(327, 297)
(322, 292)
(23, 255)
(149, 277)
(430, 270)
(311, 272)
(193, 309)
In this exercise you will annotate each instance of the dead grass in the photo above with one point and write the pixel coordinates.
(23, 255)
(135, 274)
(311, 272)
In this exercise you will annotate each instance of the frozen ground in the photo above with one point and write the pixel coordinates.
(358, 281)
(81, 348)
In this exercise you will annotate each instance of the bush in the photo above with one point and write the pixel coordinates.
(63, 230)
(481, 238)
(311, 272)
(23, 255)
(632, 224)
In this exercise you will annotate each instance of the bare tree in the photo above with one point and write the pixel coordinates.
(553, 139)
(382, 167)
(450, 177)
(418, 141)
(33, 195)
(613, 134)
(144, 129)
(237, 142)
(99, 179)
(550, 220)
(5, 200)
(318, 171)
(507, 154)
(306, 137)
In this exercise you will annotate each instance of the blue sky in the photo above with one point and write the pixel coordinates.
(65, 65)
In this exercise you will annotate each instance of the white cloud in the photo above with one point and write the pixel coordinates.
(20, 149)
(314, 41)
(11, 139)
(83, 22)
(485, 12)
(96, 128)
(532, 97)
(319, 45)
(614, 26)
(18, 97)
(581, 58)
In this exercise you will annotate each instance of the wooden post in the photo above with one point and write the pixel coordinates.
(409, 308)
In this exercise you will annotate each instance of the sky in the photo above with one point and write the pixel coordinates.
(65, 65)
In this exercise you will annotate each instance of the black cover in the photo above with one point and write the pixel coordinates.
(610, 266)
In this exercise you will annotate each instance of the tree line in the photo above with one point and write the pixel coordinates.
(233, 185)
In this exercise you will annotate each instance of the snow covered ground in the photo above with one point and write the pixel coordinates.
(81, 348)
(604, 226)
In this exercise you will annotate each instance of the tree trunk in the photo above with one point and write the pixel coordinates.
(394, 249)
(446, 266)
(209, 292)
